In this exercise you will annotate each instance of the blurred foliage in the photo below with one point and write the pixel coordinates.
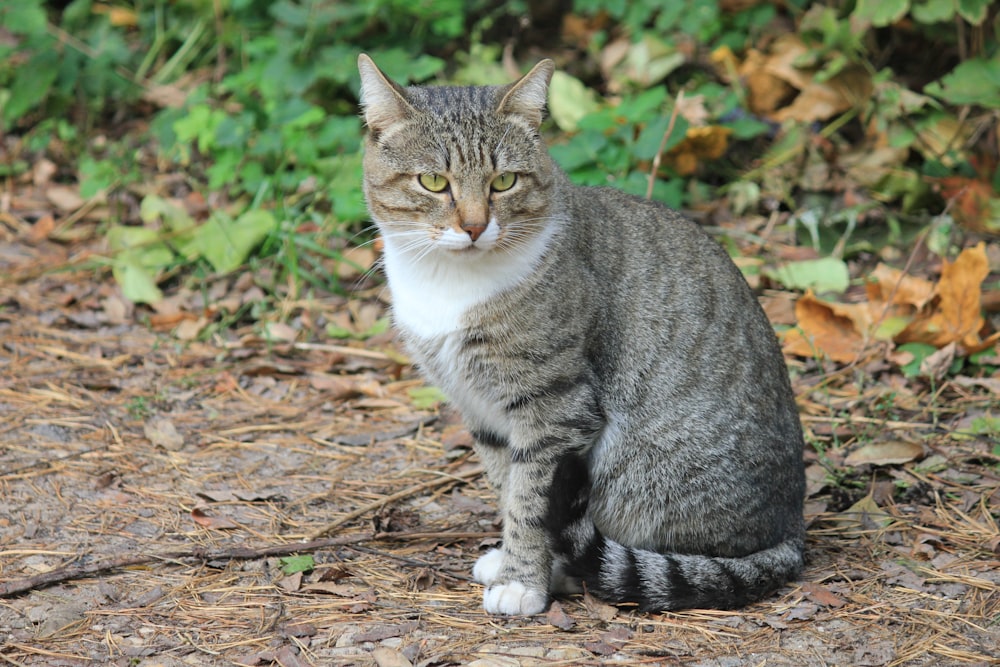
(755, 104)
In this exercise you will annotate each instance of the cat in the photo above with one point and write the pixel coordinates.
(627, 394)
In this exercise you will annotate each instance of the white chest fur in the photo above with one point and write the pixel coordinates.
(432, 295)
(433, 289)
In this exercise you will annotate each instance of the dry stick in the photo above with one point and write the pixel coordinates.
(413, 490)
(59, 575)
(663, 144)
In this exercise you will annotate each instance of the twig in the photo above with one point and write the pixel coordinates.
(663, 143)
(68, 572)
(343, 349)
(410, 491)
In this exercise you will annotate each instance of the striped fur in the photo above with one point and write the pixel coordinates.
(655, 581)
(628, 396)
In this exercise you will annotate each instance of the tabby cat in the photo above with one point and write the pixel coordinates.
(626, 392)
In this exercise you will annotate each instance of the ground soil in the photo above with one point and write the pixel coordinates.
(152, 488)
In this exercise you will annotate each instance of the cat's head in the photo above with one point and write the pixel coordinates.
(456, 170)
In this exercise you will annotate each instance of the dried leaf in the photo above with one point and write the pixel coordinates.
(885, 453)
(954, 315)
(557, 617)
(822, 595)
(161, 432)
(380, 632)
(828, 329)
(389, 657)
(861, 517)
(212, 522)
(597, 609)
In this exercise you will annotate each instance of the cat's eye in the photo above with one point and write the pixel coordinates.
(433, 182)
(504, 181)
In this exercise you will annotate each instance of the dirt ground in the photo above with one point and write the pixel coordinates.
(152, 488)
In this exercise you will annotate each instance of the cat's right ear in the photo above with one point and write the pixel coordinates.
(382, 99)
(526, 97)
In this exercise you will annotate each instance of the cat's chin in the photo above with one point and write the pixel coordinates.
(468, 251)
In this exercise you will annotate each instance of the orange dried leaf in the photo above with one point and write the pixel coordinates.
(834, 330)
(955, 315)
(893, 286)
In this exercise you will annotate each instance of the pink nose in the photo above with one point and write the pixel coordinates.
(474, 231)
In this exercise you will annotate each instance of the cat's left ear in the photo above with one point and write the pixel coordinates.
(527, 96)
(383, 100)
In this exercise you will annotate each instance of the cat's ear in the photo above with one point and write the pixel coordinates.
(382, 99)
(527, 96)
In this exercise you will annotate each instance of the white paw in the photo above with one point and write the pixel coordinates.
(487, 568)
(514, 599)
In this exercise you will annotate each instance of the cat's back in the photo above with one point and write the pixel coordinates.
(639, 249)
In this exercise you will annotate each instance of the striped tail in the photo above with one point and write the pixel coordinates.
(655, 581)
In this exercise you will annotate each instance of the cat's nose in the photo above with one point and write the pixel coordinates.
(474, 231)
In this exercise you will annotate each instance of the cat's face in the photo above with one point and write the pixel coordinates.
(456, 171)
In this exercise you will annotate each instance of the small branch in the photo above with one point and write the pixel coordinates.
(663, 143)
(68, 572)
(411, 491)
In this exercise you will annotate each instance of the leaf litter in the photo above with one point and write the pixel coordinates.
(157, 481)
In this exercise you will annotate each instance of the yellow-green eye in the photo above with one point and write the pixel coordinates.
(433, 182)
(504, 181)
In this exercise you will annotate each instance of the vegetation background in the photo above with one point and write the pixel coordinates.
(194, 345)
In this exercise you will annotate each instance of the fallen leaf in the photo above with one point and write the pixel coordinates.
(380, 632)
(954, 315)
(212, 522)
(828, 329)
(860, 518)
(822, 595)
(938, 364)
(64, 197)
(597, 609)
(557, 617)
(389, 657)
(299, 629)
(826, 274)
(884, 453)
(41, 229)
(161, 432)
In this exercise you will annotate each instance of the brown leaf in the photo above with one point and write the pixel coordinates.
(41, 229)
(557, 617)
(890, 285)
(885, 453)
(161, 432)
(598, 609)
(380, 632)
(822, 595)
(212, 522)
(954, 316)
(828, 329)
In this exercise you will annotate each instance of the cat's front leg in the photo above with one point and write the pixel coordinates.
(516, 575)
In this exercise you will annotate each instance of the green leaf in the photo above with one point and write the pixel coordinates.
(154, 208)
(426, 398)
(227, 243)
(973, 11)
(569, 101)
(880, 13)
(920, 351)
(827, 274)
(137, 282)
(300, 563)
(975, 81)
(142, 245)
(933, 11)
